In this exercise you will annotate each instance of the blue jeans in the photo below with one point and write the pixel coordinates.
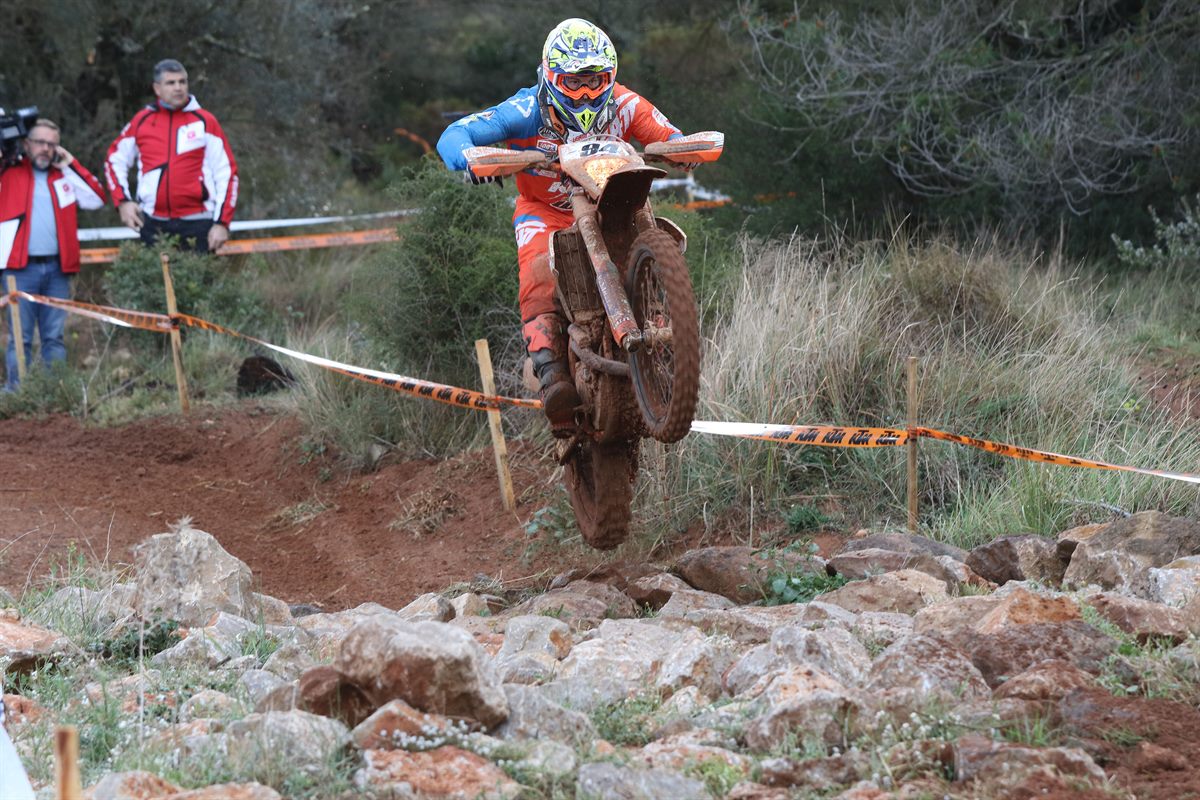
(44, 279)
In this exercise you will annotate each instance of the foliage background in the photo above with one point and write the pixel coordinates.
(311, 94)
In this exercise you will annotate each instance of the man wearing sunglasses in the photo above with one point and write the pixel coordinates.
(576, 95)
(39, 240)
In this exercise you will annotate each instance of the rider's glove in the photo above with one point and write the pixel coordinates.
(478, 179)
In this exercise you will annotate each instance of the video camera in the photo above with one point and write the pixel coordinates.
(13, 128)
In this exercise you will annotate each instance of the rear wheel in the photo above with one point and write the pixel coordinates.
(598, 477)
(666, 370)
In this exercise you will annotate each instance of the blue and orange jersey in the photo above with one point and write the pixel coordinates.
(517, 123)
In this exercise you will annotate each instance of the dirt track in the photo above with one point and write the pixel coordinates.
(310, 533)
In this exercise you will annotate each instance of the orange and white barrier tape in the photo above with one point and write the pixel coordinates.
(819, 435)
(451, 395)
(238, 225)
(161, 323)
(1045, 457)
(271, 244)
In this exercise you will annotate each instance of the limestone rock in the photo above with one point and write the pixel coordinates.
(905, 591)
(920, 670)
(23, 647)
(1141, 619)
(1009, 652)
(429, 607)
(533, 715)
(75, 607)
(607, 780)
(684, 601)
(207, 704)
(755, 624)
(395, 724)
(655, 590)
(187, 576)
(432, 666)
(832, 650)
(228, 791)
(580, 603)
(1120, 555)
(1018, 558)
(903, 543)
(979, 758)
(289, 661)
(804, 702)
(136, 785)
(271, 745)
(447, 773)
(1176, 583)
(470, 604)
(1046, 681)
(740, 573)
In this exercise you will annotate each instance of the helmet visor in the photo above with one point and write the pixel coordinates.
(583, 86)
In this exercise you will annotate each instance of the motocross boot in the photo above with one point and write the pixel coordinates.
(557, 390)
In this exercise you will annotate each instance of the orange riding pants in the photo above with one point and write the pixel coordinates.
(533, 224)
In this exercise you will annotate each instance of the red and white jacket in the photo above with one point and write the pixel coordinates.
(185, 165)
(71, 188)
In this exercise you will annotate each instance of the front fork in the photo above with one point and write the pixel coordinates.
(625, 329)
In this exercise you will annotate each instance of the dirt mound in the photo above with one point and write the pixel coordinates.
(310, 532)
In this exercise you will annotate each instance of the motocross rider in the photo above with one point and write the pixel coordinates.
(576, 95)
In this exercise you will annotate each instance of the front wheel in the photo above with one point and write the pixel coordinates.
(666, 370)
(598, 477)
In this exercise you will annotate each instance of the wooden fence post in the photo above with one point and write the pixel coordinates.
(176, 339)
(14, 310)
(912, 444)
(66, 763)
(498, 444)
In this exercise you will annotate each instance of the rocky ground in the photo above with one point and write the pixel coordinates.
(1026, 668)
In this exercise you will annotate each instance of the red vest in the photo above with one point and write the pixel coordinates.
(70, 188)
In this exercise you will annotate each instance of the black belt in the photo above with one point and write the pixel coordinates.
(43, 259)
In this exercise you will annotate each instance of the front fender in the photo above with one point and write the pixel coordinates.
(625, 192)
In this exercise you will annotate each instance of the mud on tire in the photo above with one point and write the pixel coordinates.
(599, 482)
(666, 371)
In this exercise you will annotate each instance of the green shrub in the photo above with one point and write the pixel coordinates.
(627, 722)
(804, 518)
(451, 279)
(53, 390)
(1176, 246)
(205, 286)
(785, 588)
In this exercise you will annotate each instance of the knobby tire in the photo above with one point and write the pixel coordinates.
(599, 484)
(666, 372)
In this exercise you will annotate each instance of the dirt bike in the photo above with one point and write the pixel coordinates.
(624, 287)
